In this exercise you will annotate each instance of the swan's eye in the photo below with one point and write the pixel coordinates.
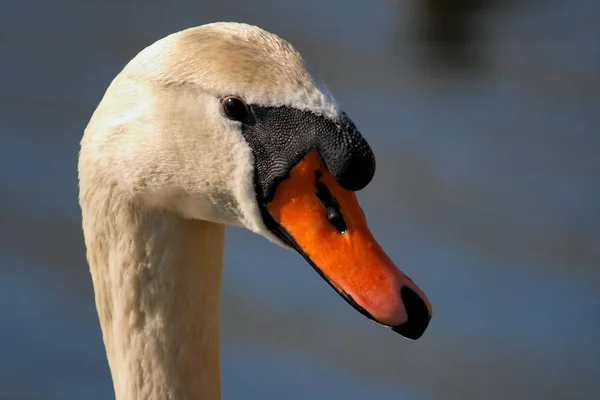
(235, 108)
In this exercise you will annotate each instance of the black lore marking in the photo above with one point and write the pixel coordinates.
(281, 136)
(334, 214)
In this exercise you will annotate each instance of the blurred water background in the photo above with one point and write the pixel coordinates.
(485, 119)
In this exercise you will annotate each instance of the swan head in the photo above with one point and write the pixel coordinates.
(227, 123)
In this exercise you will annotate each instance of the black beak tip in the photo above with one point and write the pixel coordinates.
(410, 330)
(418, 315)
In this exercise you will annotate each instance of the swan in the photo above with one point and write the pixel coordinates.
(221, 124)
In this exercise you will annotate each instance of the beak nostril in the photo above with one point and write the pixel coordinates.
(417, 315)
(332, 207)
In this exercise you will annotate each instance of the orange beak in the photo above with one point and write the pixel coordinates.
(325, 223)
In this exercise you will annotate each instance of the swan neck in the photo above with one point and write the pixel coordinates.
(156, 280)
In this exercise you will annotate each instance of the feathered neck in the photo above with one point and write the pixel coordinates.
(157, 282)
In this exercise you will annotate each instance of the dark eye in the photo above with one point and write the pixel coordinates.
(235, 108)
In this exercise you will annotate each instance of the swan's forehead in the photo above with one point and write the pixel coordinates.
(236, 59)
